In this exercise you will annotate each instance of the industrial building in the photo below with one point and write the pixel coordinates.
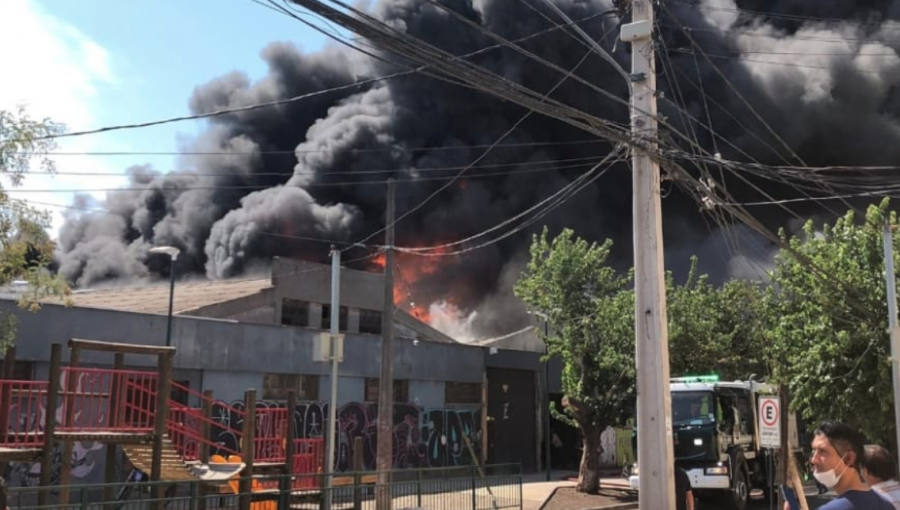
(259, 333)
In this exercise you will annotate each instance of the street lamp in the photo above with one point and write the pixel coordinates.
(547, 435)
(172, 252)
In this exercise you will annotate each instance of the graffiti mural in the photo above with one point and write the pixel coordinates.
(422, 437)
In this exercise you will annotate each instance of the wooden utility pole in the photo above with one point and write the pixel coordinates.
(384, 454)
(655, 455)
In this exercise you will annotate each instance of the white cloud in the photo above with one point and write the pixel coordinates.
(59, 72)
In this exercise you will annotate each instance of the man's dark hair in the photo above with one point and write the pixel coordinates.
(879, 463)
(844, 439)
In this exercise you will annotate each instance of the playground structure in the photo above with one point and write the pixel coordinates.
(162, 437)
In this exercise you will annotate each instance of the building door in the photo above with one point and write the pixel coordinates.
(512, 418)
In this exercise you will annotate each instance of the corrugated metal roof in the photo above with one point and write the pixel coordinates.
(155, 298)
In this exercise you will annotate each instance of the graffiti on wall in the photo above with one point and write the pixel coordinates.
(29, 415)
(422, 437)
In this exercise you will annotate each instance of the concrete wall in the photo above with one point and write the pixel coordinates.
(312, 282)
(257, 309)
(427, 393)
(522, 360)
(350, 389)
(227, 346)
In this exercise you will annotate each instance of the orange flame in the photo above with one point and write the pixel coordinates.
(408, 271)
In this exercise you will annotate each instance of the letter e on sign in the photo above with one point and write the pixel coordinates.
(769, 422)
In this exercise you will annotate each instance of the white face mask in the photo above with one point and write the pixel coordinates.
(828, 478)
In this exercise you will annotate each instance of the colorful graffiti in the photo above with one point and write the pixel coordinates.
(422, 437)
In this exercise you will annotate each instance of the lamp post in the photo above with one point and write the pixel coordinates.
(172, 252)
(547, 435)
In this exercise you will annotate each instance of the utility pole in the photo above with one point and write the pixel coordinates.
(384, 454)
(894, 330)
(335, 353)
(548, 435)
(655, 456)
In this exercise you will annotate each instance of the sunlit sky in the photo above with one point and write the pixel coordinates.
(95, 63)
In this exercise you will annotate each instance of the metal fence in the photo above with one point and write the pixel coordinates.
(495, 487)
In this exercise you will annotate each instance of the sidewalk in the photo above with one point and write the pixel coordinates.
(536, 489)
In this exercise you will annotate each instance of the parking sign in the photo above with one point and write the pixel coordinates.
(769, 422)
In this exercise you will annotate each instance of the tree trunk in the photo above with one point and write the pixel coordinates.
(589, 470)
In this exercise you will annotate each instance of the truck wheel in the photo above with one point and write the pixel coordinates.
(740, 489)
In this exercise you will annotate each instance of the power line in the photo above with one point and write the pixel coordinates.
(788, 17)
(880, 194)
(290, 173)
(774, 63)
(269, 104)
(391, 149)
(555, 200)
(170, 189)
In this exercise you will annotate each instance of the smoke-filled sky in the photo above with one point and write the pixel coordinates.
(823, 74)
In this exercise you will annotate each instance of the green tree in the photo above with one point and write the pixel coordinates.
(721, 329)
(830, 342)
(25, 248)
(591, 310)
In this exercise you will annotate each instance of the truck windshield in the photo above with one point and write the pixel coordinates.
(693, 408)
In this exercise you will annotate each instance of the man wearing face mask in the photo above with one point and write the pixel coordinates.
(837, 458)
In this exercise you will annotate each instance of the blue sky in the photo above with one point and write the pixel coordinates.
(93, 63)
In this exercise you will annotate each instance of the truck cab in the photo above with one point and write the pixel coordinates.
(715, 439)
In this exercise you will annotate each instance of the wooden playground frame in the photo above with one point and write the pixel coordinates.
(168, 426)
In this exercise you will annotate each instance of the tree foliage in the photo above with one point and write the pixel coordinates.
(721, 329)
(831, 345)
(590, 308)
(26, 249)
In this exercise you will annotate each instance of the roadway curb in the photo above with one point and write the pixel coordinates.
(620, 506)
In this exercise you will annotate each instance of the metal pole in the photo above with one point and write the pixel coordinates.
(655, 455)
(384, 454)
(891, 281)
(331, 438)
(547, 435)
(171, 301)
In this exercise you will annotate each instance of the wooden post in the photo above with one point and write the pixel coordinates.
(287, 481)
(207, 410)
(206, 406)
(50, 421)
(248, 448)
(358, 468)
(783, 474)
(9, 363)
(115, 398)
(484, 419)
(384, 456)
(538, 421)
(163, 390)
(65, 477)
(9, 371)
(289, 433)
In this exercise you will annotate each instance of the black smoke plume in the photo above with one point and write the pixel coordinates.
(822, 74)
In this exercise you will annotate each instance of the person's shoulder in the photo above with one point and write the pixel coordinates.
(859, 500)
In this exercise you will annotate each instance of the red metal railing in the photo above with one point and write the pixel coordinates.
(25, 402)
(309, 459)
(271, 428)
(185, 425)
(103, 400)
